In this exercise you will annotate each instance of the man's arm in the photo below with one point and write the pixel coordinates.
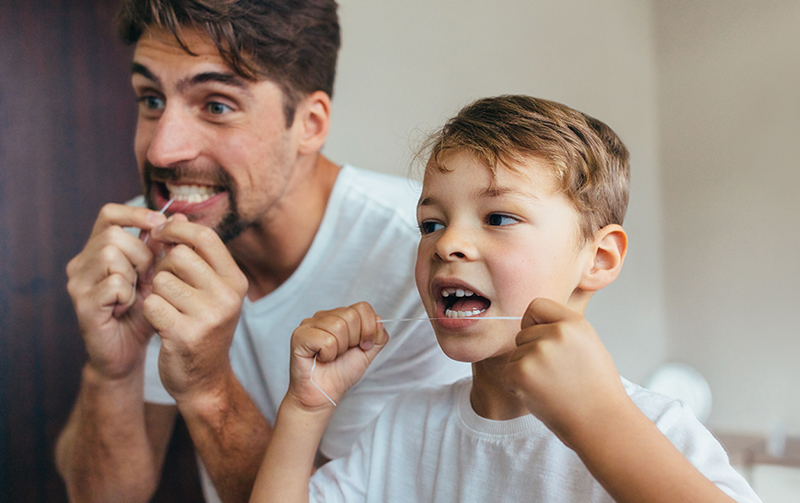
(113, 446)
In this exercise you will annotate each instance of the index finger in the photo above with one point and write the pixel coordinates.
(204, 240)
(123, 215)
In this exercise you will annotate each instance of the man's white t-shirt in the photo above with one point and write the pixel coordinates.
(364, 250)
(430, 446)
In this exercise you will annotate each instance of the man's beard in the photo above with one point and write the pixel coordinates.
(232, 223)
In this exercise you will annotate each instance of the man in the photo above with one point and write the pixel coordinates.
(234, 107)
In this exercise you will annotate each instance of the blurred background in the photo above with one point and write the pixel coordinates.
(704, 93)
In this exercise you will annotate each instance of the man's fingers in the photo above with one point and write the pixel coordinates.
(126, 216)
(203, 240)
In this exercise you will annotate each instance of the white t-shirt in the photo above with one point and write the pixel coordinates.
(365, 249)
(430, 446)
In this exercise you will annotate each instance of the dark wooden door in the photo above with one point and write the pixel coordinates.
(67, 117)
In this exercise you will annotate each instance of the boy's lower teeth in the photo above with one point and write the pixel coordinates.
(462, 314)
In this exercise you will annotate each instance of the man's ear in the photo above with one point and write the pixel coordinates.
(313, 118)
(608, 250)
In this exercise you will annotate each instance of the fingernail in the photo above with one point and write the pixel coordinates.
(156, 218)
(366, 345)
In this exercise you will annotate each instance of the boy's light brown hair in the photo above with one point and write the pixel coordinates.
(590, 163)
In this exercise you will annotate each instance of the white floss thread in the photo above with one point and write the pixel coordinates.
(314, 365)
(136, 278)
(311, 377)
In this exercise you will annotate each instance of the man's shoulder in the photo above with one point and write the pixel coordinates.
(392, 194)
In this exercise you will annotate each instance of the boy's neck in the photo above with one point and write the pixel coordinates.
(489, 397)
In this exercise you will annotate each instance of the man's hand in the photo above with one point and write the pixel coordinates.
(196, 299)
(344, 342)
(102, 279)
(561, 370)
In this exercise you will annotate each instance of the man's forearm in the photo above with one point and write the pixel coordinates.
(104, 452)
(230, 435)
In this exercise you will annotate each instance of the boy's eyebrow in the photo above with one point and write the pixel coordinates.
(495, 191)
(226, 78)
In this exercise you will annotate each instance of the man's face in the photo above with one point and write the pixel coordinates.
(489, 246)
(206, 137)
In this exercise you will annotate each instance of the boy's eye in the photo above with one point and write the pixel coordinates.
(217, 108)
(497, 219)
(428, 226)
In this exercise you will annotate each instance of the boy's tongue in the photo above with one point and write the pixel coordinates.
(470, 304)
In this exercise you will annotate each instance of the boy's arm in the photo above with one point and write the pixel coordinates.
(337, 346)
(564, 375)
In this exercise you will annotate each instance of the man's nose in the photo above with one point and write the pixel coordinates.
(176, 139)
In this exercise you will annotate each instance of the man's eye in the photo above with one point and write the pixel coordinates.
(427, 227)
(151, 102)
(217, 108)
(497, 219)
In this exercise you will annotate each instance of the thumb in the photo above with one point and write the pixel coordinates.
(543, 311)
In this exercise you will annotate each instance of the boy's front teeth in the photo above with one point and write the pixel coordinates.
(191, 193)
(458, 292)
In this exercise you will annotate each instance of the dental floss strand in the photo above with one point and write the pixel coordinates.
(136, 278)
(314, 365)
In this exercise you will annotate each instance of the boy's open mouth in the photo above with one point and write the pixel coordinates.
(463, 303)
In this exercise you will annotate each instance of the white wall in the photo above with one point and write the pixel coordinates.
(408, 66)
(730, 102)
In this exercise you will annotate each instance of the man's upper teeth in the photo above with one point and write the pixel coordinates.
(190, 193)
(458, 292)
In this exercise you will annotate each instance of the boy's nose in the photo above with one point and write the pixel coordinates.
(455, 244)
(175, 139)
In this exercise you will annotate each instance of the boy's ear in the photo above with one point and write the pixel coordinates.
(313, 118)
(608, 250)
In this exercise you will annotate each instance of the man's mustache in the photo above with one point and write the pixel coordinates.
(217, 177)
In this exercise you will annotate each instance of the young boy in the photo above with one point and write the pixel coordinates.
(522, 200)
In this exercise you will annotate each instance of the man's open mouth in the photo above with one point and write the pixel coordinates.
(190, 194)
(463, 303)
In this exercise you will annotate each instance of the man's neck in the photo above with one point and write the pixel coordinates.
(270, 251)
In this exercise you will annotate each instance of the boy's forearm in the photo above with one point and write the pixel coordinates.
(104, 452)
(635, 462)
(289, 460)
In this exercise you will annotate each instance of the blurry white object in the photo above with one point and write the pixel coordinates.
(776, 484)
(682, 382)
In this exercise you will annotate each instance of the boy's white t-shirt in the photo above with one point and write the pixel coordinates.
(364, 250)
(430, 446)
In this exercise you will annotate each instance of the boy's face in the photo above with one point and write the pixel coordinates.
(489, 246)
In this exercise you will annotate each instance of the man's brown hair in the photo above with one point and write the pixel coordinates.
(293, 43)
(590, 163)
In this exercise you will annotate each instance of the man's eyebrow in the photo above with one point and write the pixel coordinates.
(140, 69)
(228, 79)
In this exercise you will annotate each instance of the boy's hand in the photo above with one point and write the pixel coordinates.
(344, 342)
(562, 372)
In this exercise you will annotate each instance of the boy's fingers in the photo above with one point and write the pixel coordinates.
(541, 311)
(369, 329)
